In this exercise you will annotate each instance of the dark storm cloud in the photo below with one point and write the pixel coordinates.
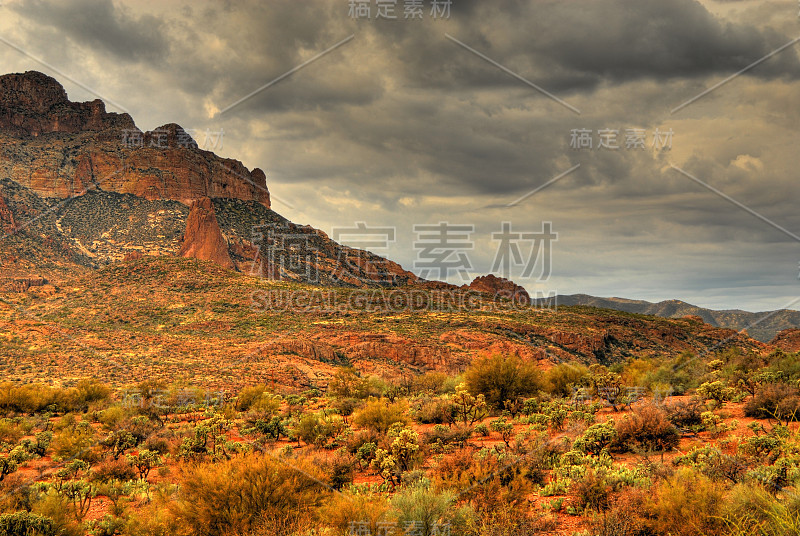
(623, 39)
(100, 26)
(227, 50)
(574, 46)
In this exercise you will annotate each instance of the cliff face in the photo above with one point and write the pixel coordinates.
(33, 103)
(60, 148)
(7, 221)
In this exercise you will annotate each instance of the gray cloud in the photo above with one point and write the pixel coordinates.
(101, 26)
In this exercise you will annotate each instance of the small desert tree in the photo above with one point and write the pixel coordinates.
(500, 379)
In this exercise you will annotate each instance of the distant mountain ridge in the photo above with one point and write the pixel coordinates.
(763, 326)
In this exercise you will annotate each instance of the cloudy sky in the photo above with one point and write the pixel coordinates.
(463, 119)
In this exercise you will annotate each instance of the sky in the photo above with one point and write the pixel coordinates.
(479, 116)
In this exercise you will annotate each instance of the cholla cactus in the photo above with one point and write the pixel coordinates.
(392, 463)
(10, 462)
(469, 408)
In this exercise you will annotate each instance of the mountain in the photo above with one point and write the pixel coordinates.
(762, 326)
(125, 252)
(81, 188)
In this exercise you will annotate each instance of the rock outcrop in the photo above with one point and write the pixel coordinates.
(60, 148)
(500, 287)
(203, 239)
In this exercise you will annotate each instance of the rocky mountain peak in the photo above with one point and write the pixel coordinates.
(33, 103)
(500, 287)
(59, 148)
(34, 91)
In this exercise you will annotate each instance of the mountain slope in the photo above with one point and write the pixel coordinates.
(762, 326)
(186, 320)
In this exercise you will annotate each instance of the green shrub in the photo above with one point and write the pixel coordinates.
(427, 410)
(717, 391)
(562, 379)
(10, 461)
(273, 428)
(713, 463)
(424, 507)
(687, 504)
(596, 438)
(345, 406)
(751, 510)
(249, 395)
(348, 383)
(681, 374)
(10, 432)
(91, 390)
(318, 430)
(446, 435)
(379, 415)
(432, 383)
(344, 510)
(249, 493)
(500, 379)
(107, 526)
(555, 487)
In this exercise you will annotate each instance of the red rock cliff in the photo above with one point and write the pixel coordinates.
(60, 148)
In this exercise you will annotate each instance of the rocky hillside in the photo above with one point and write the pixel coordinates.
(787, 340)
